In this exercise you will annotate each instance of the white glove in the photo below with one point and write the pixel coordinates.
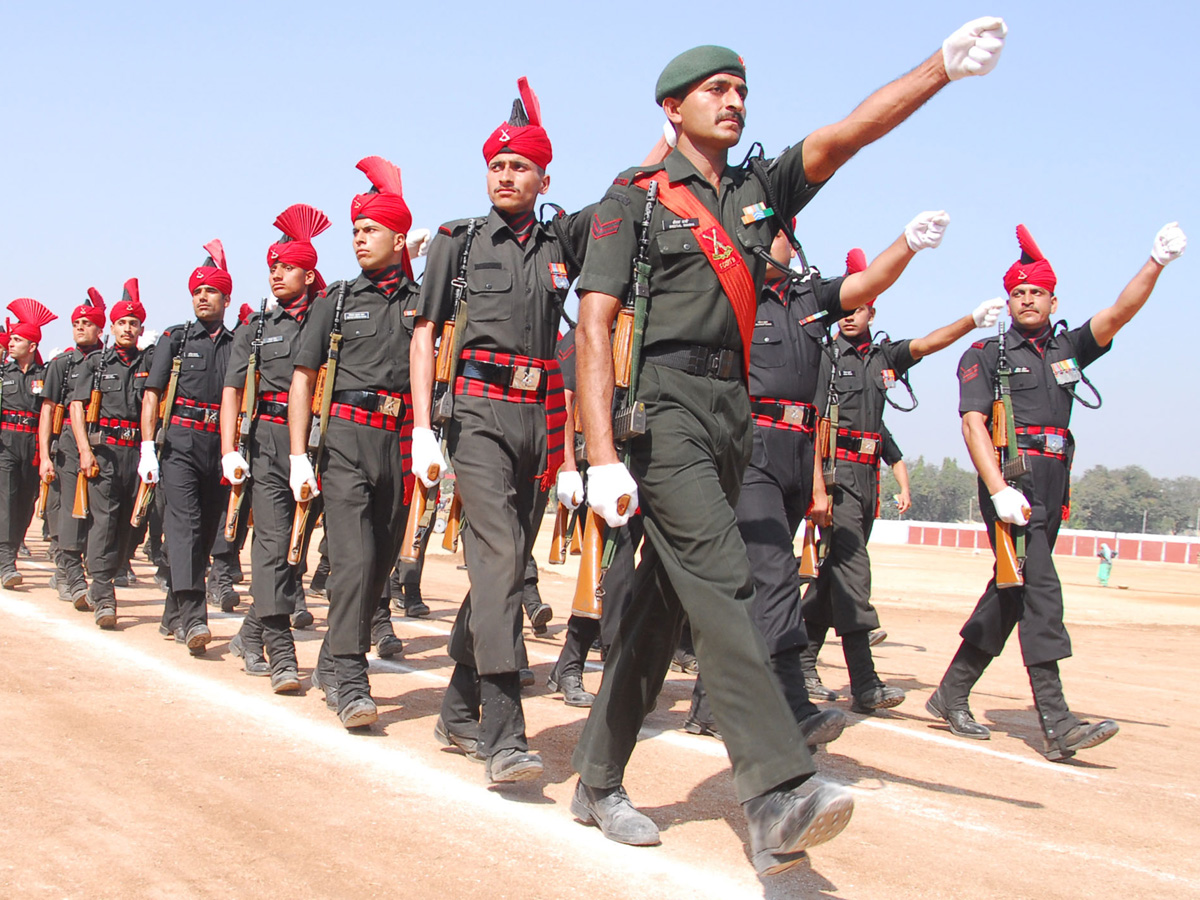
(1011, 506)
(417, 242)
(426, 455)
(606, 485)
(926, 230)
(975, 48)
(231, 464)
(301, 474)
(148, 464)
(570, 488)
(669, 134)
(1169, 244)
(987, 312)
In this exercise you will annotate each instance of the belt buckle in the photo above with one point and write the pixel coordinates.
(868, 446)
(127, 434)
(390, 406)
(723, 364)
(525, 378)
(212, 416)
(793, 415)
(1054, 443)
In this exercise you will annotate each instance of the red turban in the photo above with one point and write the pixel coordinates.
(3, 341)
(385, 204)
(245, 313)
(300, 223)
(523, 133)
(1032, 268)
(856, 261)
(31, 316)
(130, 303)
(91, 309)
(213, 272)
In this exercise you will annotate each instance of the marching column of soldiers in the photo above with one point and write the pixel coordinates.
(718, 403)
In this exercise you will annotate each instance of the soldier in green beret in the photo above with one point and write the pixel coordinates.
(710, 232)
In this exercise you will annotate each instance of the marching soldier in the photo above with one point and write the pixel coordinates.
(194, 497)
(862, 372)
(23, 376)
(362, 469)
(709, 228)
(505, 437)
(59, 455)
(784, 477)
(1045, 363)
(109, 445)
(274, 585)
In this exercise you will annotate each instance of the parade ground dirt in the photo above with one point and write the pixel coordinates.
(133, 770)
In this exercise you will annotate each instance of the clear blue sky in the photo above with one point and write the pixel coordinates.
(136, 132)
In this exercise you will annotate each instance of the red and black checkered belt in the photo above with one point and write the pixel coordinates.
(1043, 440)
(272, 407)
(19, 420)
(788, 415)
(204, 417)
(379, 409)
(120, 432)
(859, 446)
(520, 379)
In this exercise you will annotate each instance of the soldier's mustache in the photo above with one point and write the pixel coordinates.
(732, 117)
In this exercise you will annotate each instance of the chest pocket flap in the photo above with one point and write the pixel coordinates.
(1022, 381)
(194, 364)
(490, 293)
(111, 384)
(277, 349)
(359, 328)
(767, 344)
(676, 240)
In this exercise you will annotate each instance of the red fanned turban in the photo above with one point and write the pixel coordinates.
(213, 272)
(856, 261)
(300, 223)
(1032, 268)
(523, 133)
(91, 309)
(31, 316)
(385, 204)
(130, 303)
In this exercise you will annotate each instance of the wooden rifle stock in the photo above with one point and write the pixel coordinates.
(81, 509)
(577, 536)
(237, 493)
(319, 389)
(39, 509)
(410, 548)
(453, 525)
(299, 525)
(444, 367)
(588, 601)
(558, 540)
(1008, 570)
(808, 551)
(622, 344)
(999, 427)
(141, 505)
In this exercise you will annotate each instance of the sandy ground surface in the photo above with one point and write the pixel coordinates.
(130, 769)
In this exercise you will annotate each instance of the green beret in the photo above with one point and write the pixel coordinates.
(694, 65)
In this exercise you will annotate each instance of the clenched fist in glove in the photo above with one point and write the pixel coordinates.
(1011, 506)
(926, 230)
(606, 485)
(569, 488)
(427, 456)
(417, 242)
(1169, 244)
(148, 463)
(975, 48)
(987, 312)
(232, 464)
(301, 474)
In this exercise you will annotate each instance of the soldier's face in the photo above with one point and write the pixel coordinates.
(713, 113)
(1031, 306)
(514, 183)
(85, 331)
(375, 246)
(126, 330)
(209, 303)
(21, 349)
(857, 322)
(289, 282)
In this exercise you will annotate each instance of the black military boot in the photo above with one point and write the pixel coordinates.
(104, 602)
(539, 613)
(808, 664)
(570, 682)
(248, 645)
(502, 730)
(414, 606)
(700, 718)
(1064, 734)
(320, 577)
(783, 823)
(949, 701)
(870, 693)
(324, 676)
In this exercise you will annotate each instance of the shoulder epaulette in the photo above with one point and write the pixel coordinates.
(455, 226)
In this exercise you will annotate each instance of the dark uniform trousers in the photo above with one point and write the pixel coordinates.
(775, 496)
(194, 509)
(18, 491)
(110, 498)
(693, 561)
(70, 533)
(497, 449)
(362, 482)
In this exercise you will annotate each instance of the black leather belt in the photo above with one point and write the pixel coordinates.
(867, 444)
(197, 414)
(273, 409)
(697, 360)
(523, 378)
(1055, 444)
(371, 402)
(803, 415)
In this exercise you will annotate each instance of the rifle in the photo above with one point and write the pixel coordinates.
(826, 445)
(56, 427)
(809, 563)
(629, 420)
(237, 492)
(453, 524)
(92, 418)
(559, 539)
(1010, 548)
(322, 400)
(442, 407)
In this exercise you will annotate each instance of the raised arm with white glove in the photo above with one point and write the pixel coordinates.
(569, 488)
(426, 455)
(988, 312)
(231, 464)
(1169, 244)
(926, 230)
(148, 463)
(417, 242)
(606, 485)
(975, 48)
(301, 474)
(1011, 506)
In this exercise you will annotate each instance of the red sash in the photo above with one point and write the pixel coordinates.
(719, 250)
